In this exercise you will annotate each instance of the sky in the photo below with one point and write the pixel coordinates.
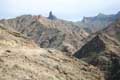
(73, 10)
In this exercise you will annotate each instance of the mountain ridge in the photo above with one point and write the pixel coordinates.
(60, 34)
(99, 22)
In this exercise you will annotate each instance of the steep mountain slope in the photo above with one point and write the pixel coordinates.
(47, 33)
(103, 51)
(21, 59)
(99, 22)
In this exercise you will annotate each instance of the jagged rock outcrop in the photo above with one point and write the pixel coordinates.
(51, 16)
(103, 51)
(49, 33)
(97, 23)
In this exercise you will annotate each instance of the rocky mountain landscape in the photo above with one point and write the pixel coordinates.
(22, 59)
(34, 47)
(99, 22)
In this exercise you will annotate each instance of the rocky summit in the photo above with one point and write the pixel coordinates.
(51, 16)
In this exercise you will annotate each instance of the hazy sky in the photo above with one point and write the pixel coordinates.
(65, 9)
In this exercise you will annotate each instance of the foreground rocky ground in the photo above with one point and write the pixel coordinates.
(43, 64)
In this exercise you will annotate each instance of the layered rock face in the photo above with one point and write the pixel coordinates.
(47, 33)
(103, 51)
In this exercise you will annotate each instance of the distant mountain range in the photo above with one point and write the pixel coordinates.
(99, 22)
